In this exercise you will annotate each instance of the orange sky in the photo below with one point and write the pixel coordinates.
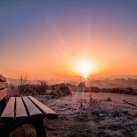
(47, 39)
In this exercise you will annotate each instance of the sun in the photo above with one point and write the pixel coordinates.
(85, 76)
(85, 67)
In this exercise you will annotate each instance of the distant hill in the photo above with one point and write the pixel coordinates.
(114, 77)
(73, 81)
(125, 76)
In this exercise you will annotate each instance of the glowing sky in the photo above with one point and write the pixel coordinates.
(46, 38)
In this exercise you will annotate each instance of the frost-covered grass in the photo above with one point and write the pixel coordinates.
(81, 115)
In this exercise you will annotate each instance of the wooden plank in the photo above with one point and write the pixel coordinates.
(2, 79)
(32, 109)
(8, 113)
(49, 113)
(3, 93)
(20, 108)
(2, 105)
(3, 85)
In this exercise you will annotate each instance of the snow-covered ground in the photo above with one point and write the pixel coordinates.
(81, 116)
(80, 102)
(97, 118)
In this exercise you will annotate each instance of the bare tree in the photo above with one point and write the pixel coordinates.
(23, 84)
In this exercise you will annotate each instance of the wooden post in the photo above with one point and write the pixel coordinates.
(37, 122)
(3, 92)
(2, 105)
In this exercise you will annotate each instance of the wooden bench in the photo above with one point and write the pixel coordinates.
(23, 110)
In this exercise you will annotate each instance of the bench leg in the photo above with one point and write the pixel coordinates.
(2, 105)
(7, 128)
(37, 122)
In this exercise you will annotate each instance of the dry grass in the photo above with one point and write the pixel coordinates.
(82, 117)
(86, 119)
(24, 131)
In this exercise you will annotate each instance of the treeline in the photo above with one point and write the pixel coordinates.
(41, 88)
(128, 90)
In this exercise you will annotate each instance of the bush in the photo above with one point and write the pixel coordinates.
(24, 86)
(41, 87)
(60, 90)
(65, 90)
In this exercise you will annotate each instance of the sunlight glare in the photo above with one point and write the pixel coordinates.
(85, 67)
(85, 75)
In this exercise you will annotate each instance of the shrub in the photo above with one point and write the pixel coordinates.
(26, 88)
(60, 90)
(24, 85)
(65, 90)
(41, 87)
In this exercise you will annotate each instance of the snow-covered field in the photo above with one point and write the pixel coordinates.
(103, 115)
(79, 117)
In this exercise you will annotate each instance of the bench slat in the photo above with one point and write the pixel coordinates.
(2, 79)
(8, 113)
(3, 85)
(32, 109)
(3, 93)
(47, 111)
(20, 108)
